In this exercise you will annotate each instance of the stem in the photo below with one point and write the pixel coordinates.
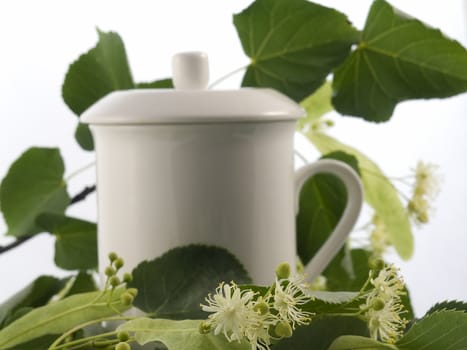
(19, 241)
(302, 158)
(83, 194)
(55, 345)
(79, 171)
(225, 77)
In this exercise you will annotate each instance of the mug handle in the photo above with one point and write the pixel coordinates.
(337, 238)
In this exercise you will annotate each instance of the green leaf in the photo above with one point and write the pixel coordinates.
(293, 44)
(177, 335)
(76, 241)
(448, 305)
(348, 272)
(41, 343)
(187, 275)
(83, 282)
(36, 294)
(60, 316)
(316, 105)
(330, 303)
(380, 194)
(334, 297)
(93, 75)
(33, 185)
(322, 201)
(351, 342)
(399, 58)
(321, 333)
(157, 84)
(84, 137)
(439, 330)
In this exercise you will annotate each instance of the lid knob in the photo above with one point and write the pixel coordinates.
(190, 71)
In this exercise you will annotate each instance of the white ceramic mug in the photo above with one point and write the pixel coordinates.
(209, 167)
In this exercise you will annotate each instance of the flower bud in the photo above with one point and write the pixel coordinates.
(377, 304)
(261, 307)
(126, 298)
(133, 292)
(376, 264)
(283, 329)
(109, 271)
(118, 263)
(113, 256)
(204, 327)
(123, 336)
(283, 270)
(122, 346)
(127, 277)
(114, 281)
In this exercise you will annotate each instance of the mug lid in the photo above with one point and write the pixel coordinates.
(191, 101)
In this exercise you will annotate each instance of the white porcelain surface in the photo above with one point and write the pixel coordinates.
(230, 185)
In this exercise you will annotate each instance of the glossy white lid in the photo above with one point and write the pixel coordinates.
(190, 101)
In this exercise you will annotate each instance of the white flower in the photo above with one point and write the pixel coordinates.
(425, 190)
(231, 311)
(388, 284)
(383, 309)
(289, 296)
(426, 179)
(386, 324)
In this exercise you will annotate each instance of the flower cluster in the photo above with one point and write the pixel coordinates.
(426, 188)
(383, 308)
(379, 240)
(260, 318)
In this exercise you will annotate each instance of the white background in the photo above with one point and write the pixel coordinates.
(40, 38)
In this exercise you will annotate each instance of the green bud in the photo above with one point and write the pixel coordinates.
(204, 327)
(261, 307)
(113, 256)
(377, 304)
(329, 122)
(126, 298)
(123, 336)
(376, 264)
(127, 277)
(133, 292)
(109, 271)
(283, 329)
(118, 263)
(114, 281)
(122, 346)
(283, 270)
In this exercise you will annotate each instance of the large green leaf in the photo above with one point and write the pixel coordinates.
(293, 44)
(177, 335)
(380, 193)
(448, 305)
(439, 330)
(174, 285)
(36, 294)
(76, 241)
(348, 271)
(60, 316)
(399, 58)
(101, 70)
(33, 185)
(351, 342)
(322, 201)
(93, 75)
(321, 333)
(157, 84)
